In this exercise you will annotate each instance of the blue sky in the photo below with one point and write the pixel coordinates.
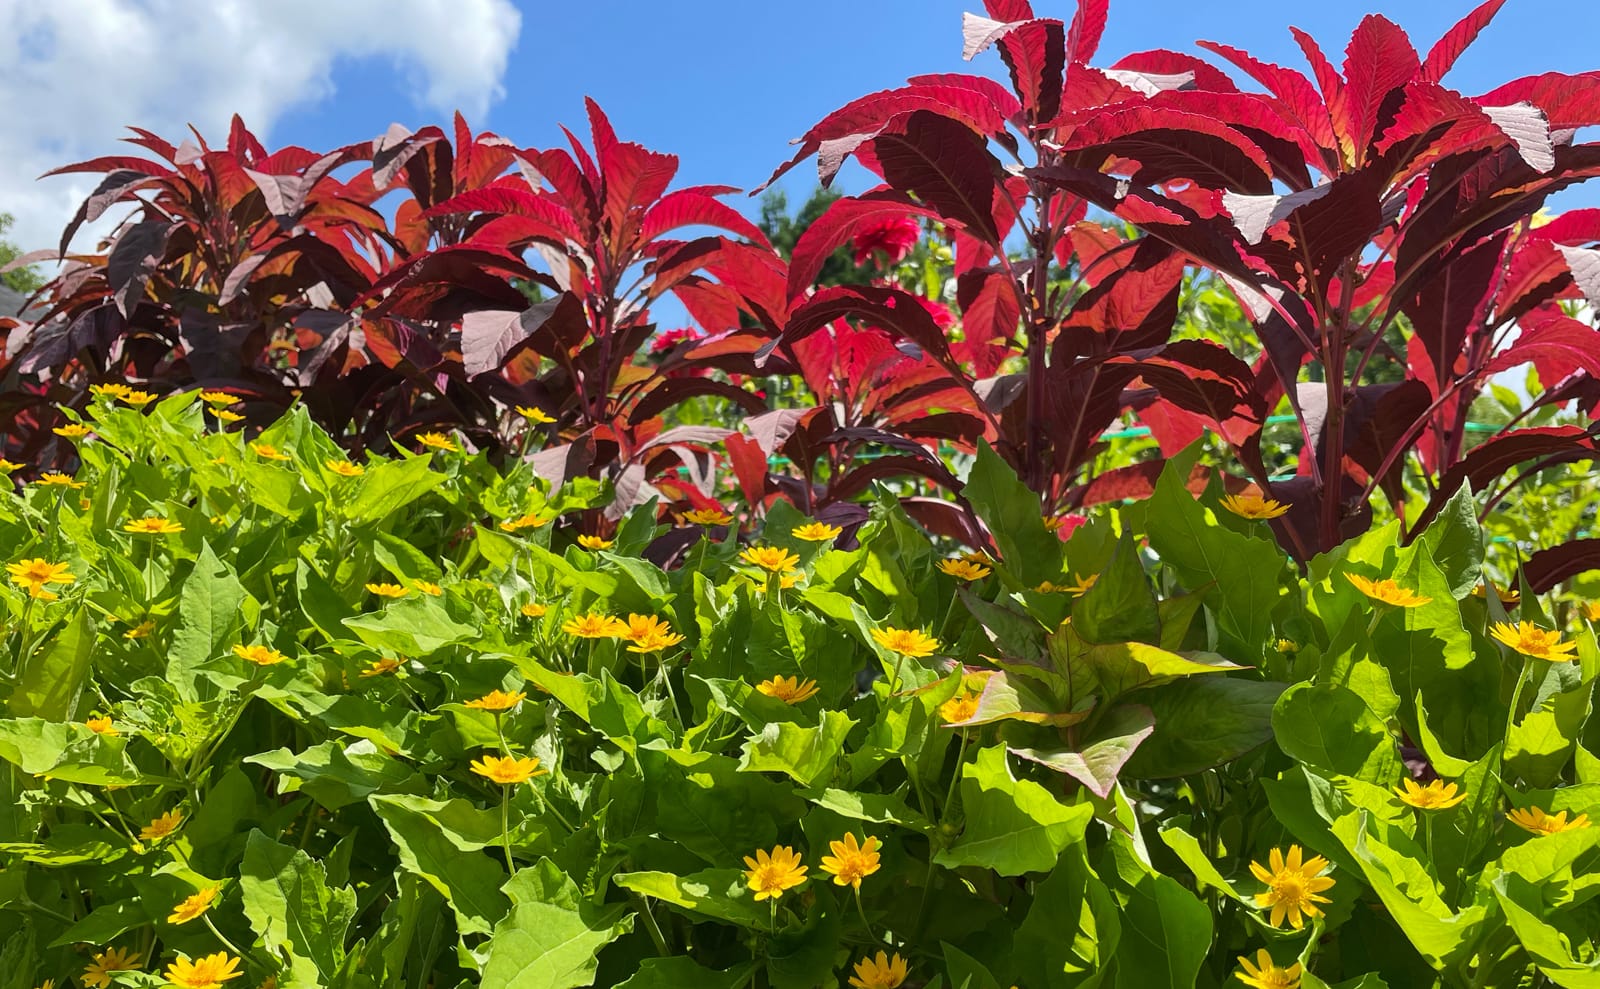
(725, 85)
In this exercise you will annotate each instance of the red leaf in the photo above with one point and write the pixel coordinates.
(1170, 145)
(1207, 77)
(490, 338)
(550, 217)
(1448, 304)
(1568, 101)
(945, 165)
(890, 308)
(1549, 567)
(635, 177)
(837, 226)
(111, 163)
(1447, 49)
(1378, 61)
(749, 466)
(1035, 52)
(1088, 26)
(1575, 227)
(1500, 453)
(1009, 10)
(1556, 343)
(990, 316)
(1002, 99)
(1294, 91)
(689, 208)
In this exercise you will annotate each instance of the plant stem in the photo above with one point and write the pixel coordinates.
(505, 826)
(225, 942)
(862, 913)
(654, 928)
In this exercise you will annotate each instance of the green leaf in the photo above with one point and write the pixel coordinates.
(806, 754)
(1097, 763)
(1202, 722)
(293, 910)
(208, 619)
(803, 958)
(1442, 938)
(1029, 552)
(416, 626)
(1013, 826)
(1454, 540)
(717, 893)
(48, 686)
(1072, 930)
(1166, 931)
(1187, 848)
(552, 937)
(676, 973)
(1123, 666)
(391, 485)
(1543, 941)
(1120, 607)
(1331, 728)
(432, 851)
(338, 775)
(1541, 744)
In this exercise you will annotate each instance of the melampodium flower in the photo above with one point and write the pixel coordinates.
(534, 610)
(964, 569)
(1285, 647)
(1536, 821)
(705, 516)
(134, 397)
(217, 398)
(152, 525)
(140, 631)
(912, 643)
(1264, 974)
(1386, 591)
(437, 441)
(647, 633)
(431, 589)
(1437, 795)
(259, 655)
(1589, 611)
(344, 468)
(36, 573)
(851, 862)
(56, 479)
(228, 415)
(266, 451)
(381, 667)
(97, 973)
(7, 466)
(1080, 585)
(388, 590)
(595, 542)
(1254, 507)
(72, 430)
(1531, 640)
(194, 906)
(102, 726)
(961, 707)
(773, 558)
(1509, 596)
(162, 826)
(498, 700)
(109, 390)
(1292, 886)
(595, 626)
(532, 414)
(507, 771)
(770, 875)
(208, 972)
(881, 972)
(528, 521)
(816, 532)
(790, 690)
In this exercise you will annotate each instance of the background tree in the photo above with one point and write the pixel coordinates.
(24, 280)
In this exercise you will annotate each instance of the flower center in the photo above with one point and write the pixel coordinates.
(1290, 890)
(770, 877)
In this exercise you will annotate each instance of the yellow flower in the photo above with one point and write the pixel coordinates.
(961, 707)
(7, 466)
(1049, 587)
(388, 590)
(1536, 821)
(109, 390)
(228, 415)
(1292, 886)
(102, 726)
(1080, 585)
(773, 558)
(851, 862)
(438, 441)
(203, 973)
(1253, 506)
(72, 430)
(647, 633)
(705, 516)
(498, 700)
(140, 631)
(217, 398)
(790, 690)
(1589, 611)
(528, 521)
(816, 532)
(964, 570)
(1531, 640)
(56, 479)
(133, 397)
(1437, 795)
(430, 589)
(913, 643)
(162, 826)
(153, 525)
(97, 973)
(194, 906)
(534, 610)
(534, 415)
(595, 542)
(266, 451)
(771, 875)
(36, 573)
(507, 771)
(881, 972)
(344, 468)
(595, 626)
(380, 667)
(1285, 646)
(259, 655)
(1386, 591)
(1264, 974)
(1509, 596)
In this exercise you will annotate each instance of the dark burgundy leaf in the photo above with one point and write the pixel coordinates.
(1549, 567)
(1168, 145)
(945, 165)
(1495, 456)
(1557, 344)
(133, 260)
(489, 339)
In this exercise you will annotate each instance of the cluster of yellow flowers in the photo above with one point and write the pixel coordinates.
(644, 633)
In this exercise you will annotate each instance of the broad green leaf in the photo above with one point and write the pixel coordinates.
(1544, 943)
(1120, 607)
(208, 617)
(717, 893)
(1187, 848)
(293, 910)
(1030, 553)
(388, 486)
(1438, 935)
(877, 808)
(552, 936)
(1165, 929)
(1123, 666)
(803, 958)
(1454, 540)
(1072, 930)
(1202, 722)
(433, 851)
(1098, 762)
(35, 745)
(339, 775)
(1012, 826)
(1331, 728)
(1542, 743)
(806, 754)
(678, 973)
(48, 685)
(414, 626)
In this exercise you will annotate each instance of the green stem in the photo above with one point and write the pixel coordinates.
(225, 942)
(547, 804)
(654, 928)
(862, 913)
(505, 826)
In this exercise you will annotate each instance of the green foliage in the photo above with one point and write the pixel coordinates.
(25, 280)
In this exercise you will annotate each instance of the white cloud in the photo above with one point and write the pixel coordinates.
(75, 73)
